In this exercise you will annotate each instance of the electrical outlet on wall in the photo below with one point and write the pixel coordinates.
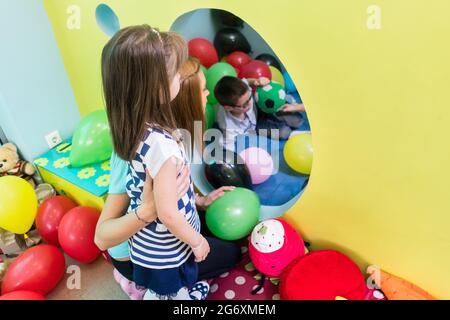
(53, 139)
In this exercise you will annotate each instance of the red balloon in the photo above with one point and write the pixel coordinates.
(237, 71)
(238, 59)
(38, 269)
(204, 51)
(255, 69)
(22, 295)
(49, 216)
(76, 234)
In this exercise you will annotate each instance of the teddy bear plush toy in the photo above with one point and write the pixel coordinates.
(10, 164)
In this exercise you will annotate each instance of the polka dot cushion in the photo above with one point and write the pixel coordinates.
(239, 283)
(374, 294)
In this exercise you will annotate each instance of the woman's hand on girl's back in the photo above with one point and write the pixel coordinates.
(204, 202)
(183, 180)
(147, 209)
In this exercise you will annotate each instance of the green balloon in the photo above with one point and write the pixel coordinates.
(203, 69)
(210, 116)
(271, 97)
(234, 215)
(91, 141)
(214, 74)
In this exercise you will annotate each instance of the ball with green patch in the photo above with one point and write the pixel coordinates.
(270, 98)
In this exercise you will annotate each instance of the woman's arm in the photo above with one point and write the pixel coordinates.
(289, 107)
(203, 202)
(114, 227)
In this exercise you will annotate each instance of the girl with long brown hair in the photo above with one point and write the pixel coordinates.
(138, 89)
(114, 228)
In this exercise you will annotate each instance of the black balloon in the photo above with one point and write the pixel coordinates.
(229, 40)
(269, 60)
(227, 18)
(228, 173)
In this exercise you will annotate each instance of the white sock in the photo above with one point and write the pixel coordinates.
(182, 294)
(150, 295)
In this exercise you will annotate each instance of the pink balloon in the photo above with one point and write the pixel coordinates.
(259, 163)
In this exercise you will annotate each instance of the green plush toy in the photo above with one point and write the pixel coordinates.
(270, 98)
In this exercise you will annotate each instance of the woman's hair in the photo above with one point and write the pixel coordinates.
(138, 64)
(188, 106)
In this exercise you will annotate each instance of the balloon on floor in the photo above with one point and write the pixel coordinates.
(234, 215)
(76, 234)
(238, 59)
(259, 164)
(210, 116)
(229, 172)
(277, 76)
(49, 216)
(254, 70)
(298, 152)
(18, 205)
(228, 40)
(270, 60)
(22, 295)
(38, 269)
(226, 18)
(214, 74)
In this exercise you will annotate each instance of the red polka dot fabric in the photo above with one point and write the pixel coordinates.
(239, 283)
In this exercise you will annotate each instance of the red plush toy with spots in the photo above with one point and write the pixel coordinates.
(274, 244)
(323, 275)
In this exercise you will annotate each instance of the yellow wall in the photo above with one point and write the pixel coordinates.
(378, 104)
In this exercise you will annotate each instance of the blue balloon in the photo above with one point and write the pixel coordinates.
(288, 83)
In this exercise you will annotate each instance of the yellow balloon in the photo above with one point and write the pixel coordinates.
(298, 153)
(18, 205)
(276, 75)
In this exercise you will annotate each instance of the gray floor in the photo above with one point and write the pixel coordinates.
(96, 282)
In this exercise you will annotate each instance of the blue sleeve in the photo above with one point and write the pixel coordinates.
(119, 170)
